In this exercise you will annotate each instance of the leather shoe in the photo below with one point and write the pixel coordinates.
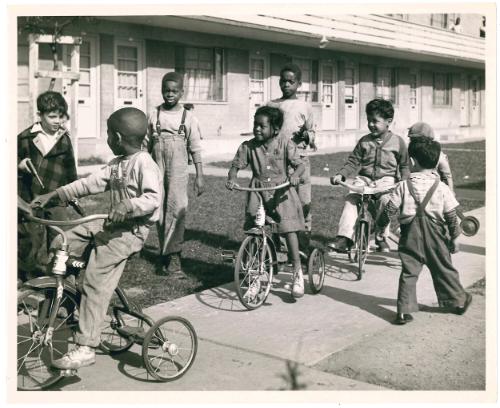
(461, 310)
(403, 318)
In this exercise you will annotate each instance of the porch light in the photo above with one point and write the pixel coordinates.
(323, 41)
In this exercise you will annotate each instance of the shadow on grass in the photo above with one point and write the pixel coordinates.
(478, 185)
(211, 239)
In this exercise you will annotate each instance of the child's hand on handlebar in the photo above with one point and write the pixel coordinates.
(43, 200)
(337, 179)
(230, 184)
(294, 180)
(118, 213)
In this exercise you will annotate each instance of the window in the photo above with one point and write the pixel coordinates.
(441, 94)
(439, 20)
(309, 89)
(84, 83)
(203, 70)
(127, 70)
(413, 88)
(387, 84)
(257, 85)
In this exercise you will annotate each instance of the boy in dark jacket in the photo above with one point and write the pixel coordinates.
(47, 145)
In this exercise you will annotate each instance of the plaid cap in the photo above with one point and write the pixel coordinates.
(421, 129)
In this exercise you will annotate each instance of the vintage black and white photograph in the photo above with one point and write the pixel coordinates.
(255, 198)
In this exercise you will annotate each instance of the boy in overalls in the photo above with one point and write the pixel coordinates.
(173, 136)
(134, 181)
(426, 206)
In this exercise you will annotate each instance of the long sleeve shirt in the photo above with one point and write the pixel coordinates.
(142, 187)
(376, 158)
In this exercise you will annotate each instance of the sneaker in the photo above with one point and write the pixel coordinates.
(81, 356)
(298, 284)
(253, 290)
(382, 245)
(340, 244)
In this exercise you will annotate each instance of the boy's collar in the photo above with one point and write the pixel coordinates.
(37, 128)
(381, 138)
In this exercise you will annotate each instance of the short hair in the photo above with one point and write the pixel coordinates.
(381, 107)
(275, 115)
(174, 77)
(131, 123)
(51, 101)
(425, 150)
(292, 68)
(421, 129)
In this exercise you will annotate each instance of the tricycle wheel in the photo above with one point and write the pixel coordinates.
(169, 348)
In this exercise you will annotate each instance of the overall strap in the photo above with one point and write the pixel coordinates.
(182, 127)
(158, 125)
(421, 205)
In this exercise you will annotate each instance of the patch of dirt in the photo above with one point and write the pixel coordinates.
(437, 351)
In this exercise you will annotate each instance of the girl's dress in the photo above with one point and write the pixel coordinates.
(269, 167)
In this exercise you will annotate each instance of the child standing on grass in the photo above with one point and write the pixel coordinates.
(134, 181)
(426, 205)
(173, 135)
(382, 159)
(298, 125)
(47, 145)
(269, 154)
(443, 170)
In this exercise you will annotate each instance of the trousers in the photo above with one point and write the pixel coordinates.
(170, 153)
(423, 242)
(108, 256)
(347, 220)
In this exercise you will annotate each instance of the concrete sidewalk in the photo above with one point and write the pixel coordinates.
(248, 350)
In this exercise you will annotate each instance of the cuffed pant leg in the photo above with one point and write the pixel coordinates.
(348, 218)
(407, 290)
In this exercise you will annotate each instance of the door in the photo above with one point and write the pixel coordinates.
(464, 101)
(475, 101)
(328, 97)
(258, 85)
(88, 100)
(129, 74)
(351, 96)
(414, 97)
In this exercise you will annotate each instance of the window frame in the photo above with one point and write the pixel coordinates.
(393, 86)
(448, 90)
(218, 77)
(314, 79)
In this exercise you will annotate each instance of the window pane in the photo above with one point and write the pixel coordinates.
(84, 91)
(84, 77)
(84, 61)
(127, 52)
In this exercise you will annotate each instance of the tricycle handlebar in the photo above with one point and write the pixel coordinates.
(256, 189)
(363, 189)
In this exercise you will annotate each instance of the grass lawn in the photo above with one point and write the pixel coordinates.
(214, 224)
(468, 166)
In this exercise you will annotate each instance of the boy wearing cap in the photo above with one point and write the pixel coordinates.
(443, 170)
(173, 134)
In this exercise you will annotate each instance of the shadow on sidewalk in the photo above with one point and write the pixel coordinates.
(371, 304)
